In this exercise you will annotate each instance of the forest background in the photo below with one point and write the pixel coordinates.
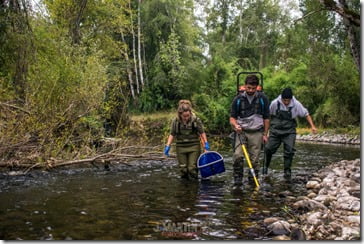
(74, 71)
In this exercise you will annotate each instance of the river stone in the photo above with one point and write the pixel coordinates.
(285, 193)
(290, 199)
(325, 199)
(323, 191)
(309, 204)
(342, 193)
(15, 173)
(311, 195)
(356, 177)
(302, 198)
(314, 218)
(312, 184)
(318, 179)
(281, 238)
(328, 182)
(280, 227)
(348, 203)
(298, 234)
(353, 219)
(268, 221)
(349, 233)
(326, 172)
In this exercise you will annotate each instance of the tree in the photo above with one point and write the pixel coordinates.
(16, 41)
(350, 13)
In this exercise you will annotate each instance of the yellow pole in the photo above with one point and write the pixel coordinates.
(249, 164)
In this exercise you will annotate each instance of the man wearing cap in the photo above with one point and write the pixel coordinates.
(284, 110)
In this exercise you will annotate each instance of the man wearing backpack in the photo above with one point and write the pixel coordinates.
(284, 110)
(249, 118)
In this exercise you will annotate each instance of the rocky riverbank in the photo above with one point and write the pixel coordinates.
(329, 211)
(331, 138)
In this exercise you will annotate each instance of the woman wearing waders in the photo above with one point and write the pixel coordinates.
(284, 110)
(187, 128)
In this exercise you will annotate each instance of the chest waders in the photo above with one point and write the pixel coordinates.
(282, 129)
(244, 110)
(188, 148)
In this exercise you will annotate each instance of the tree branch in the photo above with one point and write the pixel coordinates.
(14, 107)
(310, 13)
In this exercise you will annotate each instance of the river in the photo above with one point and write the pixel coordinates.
(145, 200)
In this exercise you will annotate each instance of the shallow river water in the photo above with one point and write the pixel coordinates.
(145, 200)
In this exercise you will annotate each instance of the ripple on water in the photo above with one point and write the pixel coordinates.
(205, 213)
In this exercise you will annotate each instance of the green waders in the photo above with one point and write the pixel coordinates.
(253, 145)
(282, 130)
(187, 159)
(188, 147)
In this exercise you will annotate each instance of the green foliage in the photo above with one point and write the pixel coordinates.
(213, 112)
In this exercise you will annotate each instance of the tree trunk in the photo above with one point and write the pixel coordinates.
(354, 42)
(344, 11)
(128, 70)
(263, 56)
(241, 24)
(145, 64)
(18, 11)
(75, 28)
(21, 71)
(134, 54)
(139, 46)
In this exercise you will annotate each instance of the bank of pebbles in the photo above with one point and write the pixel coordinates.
(326, 137)
(329, 211)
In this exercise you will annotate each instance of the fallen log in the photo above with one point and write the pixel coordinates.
(114, 156)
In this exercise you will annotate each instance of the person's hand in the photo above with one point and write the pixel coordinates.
(314, 130)
(265, 139)
(237, 128)
(207, 146)
(166, 150)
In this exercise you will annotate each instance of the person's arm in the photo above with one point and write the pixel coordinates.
(234, 115)
(266, 115)
(169, 140)
(205, 143)
(266, 129)
(235, 125)
(313, 127)
(303, 112)
(203, 137)
(167, 147)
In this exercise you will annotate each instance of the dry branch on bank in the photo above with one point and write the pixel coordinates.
(118, 155)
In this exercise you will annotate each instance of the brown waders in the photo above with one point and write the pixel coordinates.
(253, 142)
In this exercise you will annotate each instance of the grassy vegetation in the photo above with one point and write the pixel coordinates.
(166, 117)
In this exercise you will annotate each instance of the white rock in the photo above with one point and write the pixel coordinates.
(312, 184)
(353, 219)
(314, 218)
(350, 233)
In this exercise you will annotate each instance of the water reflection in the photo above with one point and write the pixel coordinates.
(147, 201)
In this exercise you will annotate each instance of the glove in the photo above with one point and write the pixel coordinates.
(207, 146)
(166, 150)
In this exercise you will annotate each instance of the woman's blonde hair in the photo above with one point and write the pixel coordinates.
(184, 106)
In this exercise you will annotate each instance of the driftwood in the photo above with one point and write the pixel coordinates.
(114, 156)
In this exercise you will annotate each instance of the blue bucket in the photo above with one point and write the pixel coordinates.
(210, 163)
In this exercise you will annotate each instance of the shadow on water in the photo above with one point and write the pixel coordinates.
(147, 201)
